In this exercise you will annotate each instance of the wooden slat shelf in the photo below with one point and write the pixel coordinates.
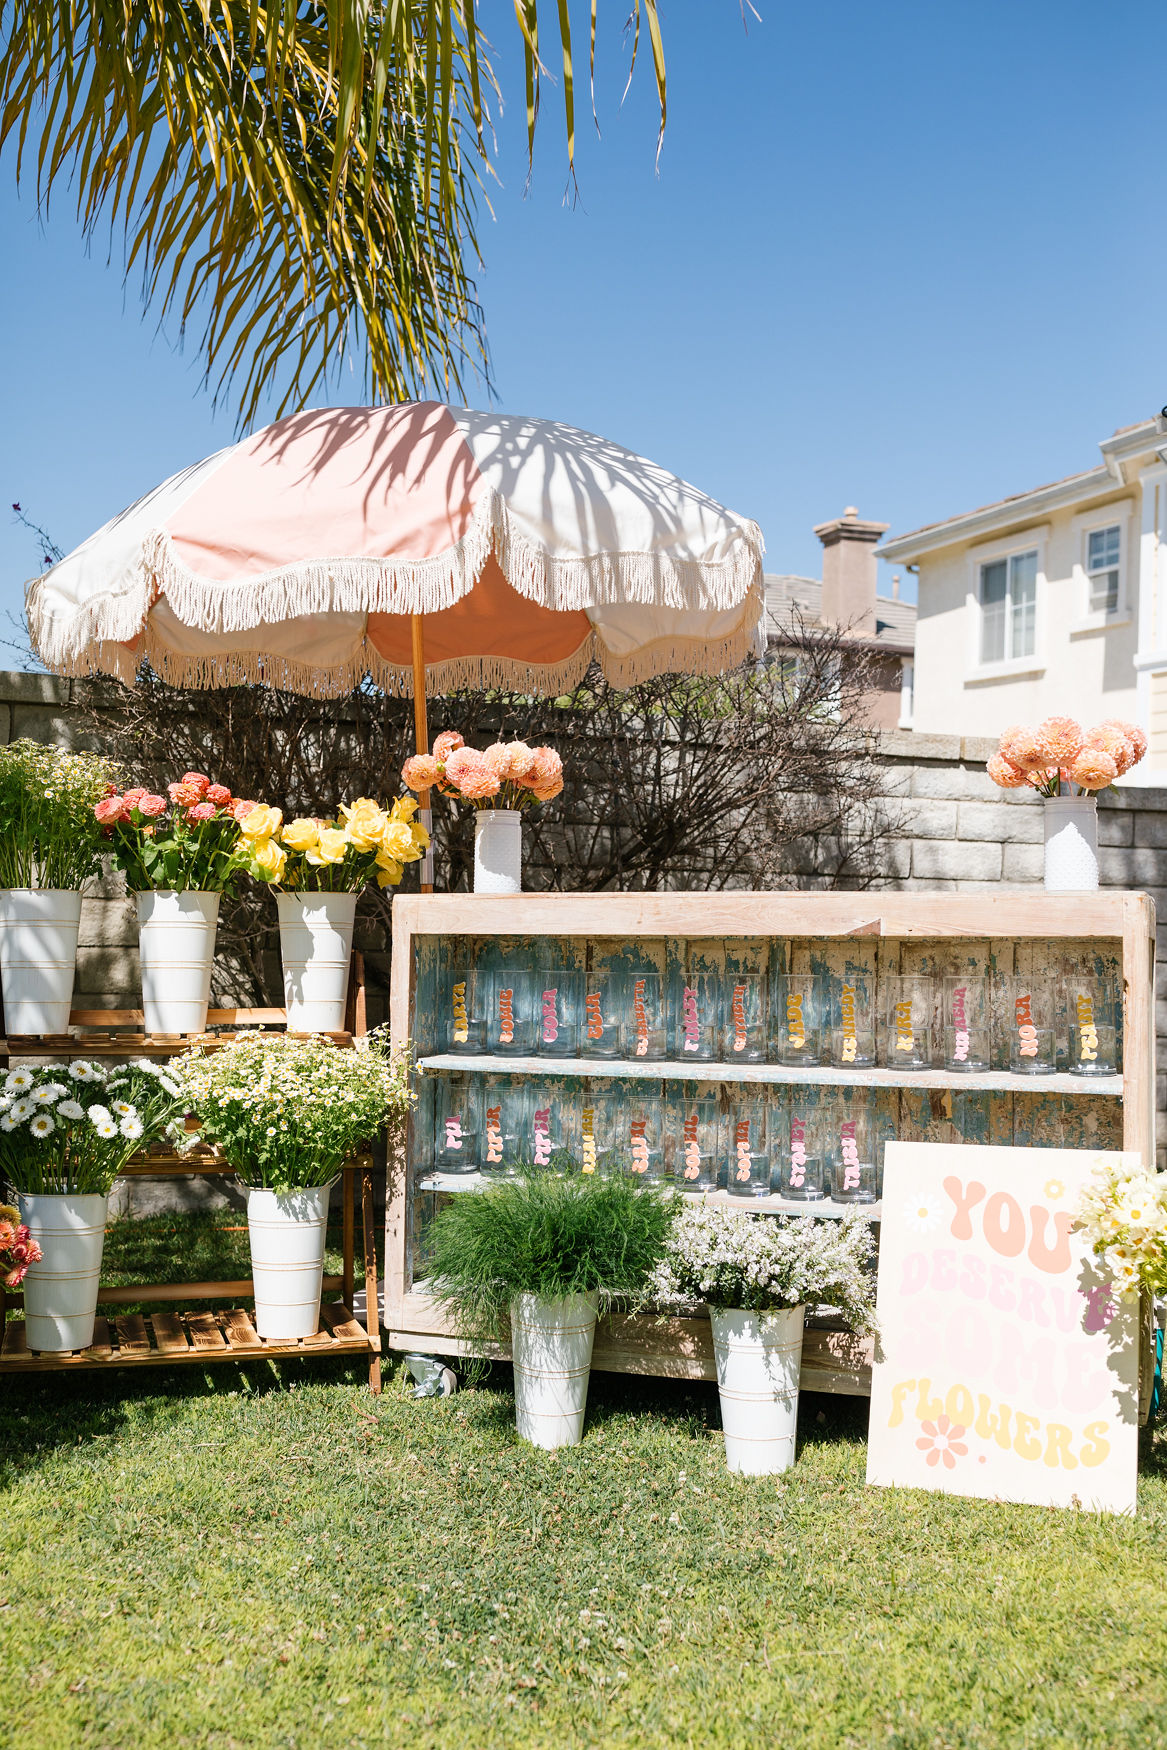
(990, 1081)
(163, 1339)
(124, 1044)
(773, 1205)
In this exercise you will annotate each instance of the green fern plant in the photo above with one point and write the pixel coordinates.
(545, 1234)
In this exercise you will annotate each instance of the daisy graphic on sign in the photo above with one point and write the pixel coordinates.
(1054, 1190)
(922, 1213)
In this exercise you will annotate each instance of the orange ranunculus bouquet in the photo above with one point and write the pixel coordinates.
(1060, 752)
(508, 774)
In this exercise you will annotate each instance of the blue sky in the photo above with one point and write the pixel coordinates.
(909, 257)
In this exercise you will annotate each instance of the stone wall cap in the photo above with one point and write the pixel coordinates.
(33, 689)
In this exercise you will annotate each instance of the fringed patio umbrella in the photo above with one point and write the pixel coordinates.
(416, 544)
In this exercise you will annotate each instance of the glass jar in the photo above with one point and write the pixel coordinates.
(803, 1163)
(696, 1017)
(798, 1019)
(966, 1025)
(548, 1123)
(853, 1154)
(746, 1146)
(600, 1033)
(908, 1022)
(644, 1033)
(1092, 1015)
(594, 1129)
(463, 1027)
(1032, 1037)
(504, 1126)
(744, 1017)
(510, 1014)
(457, 1124)
(851, 1020)
(641, 1135)
(559, 1008)
(692, 1125)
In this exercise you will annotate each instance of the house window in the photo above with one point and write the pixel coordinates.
(1009, 607)
(1103, 550)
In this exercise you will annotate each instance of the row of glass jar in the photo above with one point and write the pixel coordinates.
(813, 1020)
(753, 1144)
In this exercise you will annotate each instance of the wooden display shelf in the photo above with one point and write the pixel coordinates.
(164, 1339)
(1010, 932)
(990, 1081)
(772, 1205)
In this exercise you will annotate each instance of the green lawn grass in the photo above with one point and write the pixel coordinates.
(265, 1557)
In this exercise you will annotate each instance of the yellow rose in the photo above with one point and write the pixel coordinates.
(300, 835)
(404, 808)
(397, 843)
(421, 839)
(389, 873)
(364, 823)
(268, 861)
(330, 846)
(262, 822)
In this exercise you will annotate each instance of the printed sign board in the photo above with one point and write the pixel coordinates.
(1005, 1368)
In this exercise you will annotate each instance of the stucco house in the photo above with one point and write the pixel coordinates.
(846, 598)
(1053, 600)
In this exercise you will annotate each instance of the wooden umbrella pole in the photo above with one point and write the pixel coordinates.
(421, 736)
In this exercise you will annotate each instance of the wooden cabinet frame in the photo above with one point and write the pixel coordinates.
(1125, 922)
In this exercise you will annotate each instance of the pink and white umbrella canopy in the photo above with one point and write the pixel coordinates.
(299, 556)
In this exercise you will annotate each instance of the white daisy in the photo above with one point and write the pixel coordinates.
(105, 1127)
(131, 1127)
(84, 1071)
(70, 1109)
(48, 1092)
(42, 1125)
(123, 1108)
(171, 1087)
(8, 1122)
(100, 1115)
(922, 1213)
(18, 1079)
(22, 1109)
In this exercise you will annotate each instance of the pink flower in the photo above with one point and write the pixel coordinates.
(134, 795)
(7, 1235)
(420, 771)
(1002, 773)
(546, 768)
(1023, 748)
(1133, 734)
(498, 757)
(184, 795)
(111, 808)
(1093, 769)
(479, 783)
(240, 809)
(460, 763)
(1112, 740)
(943, 1440)
(219, 795)
(545, 792)
(521, 761)
(152, 806)
(202, 811)
(1059, 739)
(200, 781)
(16, 1276)
(446, 743)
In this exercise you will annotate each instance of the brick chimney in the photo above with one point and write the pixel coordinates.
(849, 571)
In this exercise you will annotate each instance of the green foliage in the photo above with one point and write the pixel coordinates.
(549, 1234)
(287, 1113)
(268, 1557)
(48, 834)
(73, 1127)
(729, 1258)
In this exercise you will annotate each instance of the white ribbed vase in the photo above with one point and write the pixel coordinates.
(60, 1293)
(1071, 844)
(551, 1347)
(287, 1229)
(38, 954)
(759, 1358)
(498, 850)
(316, 941)
(176, 940)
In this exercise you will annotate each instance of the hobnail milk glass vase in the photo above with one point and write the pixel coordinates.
(498, 850)
(1071, 844)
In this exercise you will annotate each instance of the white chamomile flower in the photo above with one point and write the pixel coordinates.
(70, 1109)
(100, 1115)
(170, 1086)
(123, 1108)
(17, 1080)
(131, 1127)
(42, 1125)
(84, 1071)
(8, 1122)
(48, 1092)
(22, 1109)
(105, 1127)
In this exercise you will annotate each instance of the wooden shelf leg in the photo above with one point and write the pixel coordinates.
(348, 1199)
(372, 1318)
